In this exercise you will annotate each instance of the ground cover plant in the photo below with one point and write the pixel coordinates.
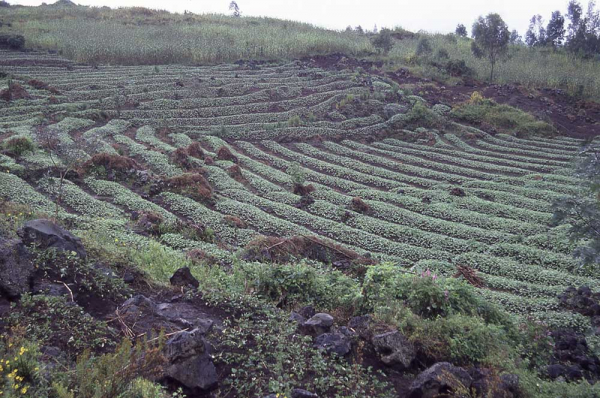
(232, 195)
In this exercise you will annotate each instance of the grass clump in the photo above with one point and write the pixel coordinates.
(504, 118)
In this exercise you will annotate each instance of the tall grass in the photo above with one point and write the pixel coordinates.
(532, 67)
(136, 36)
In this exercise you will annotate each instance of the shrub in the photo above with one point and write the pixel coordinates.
(17, 146)
(423, 47)
(116, 374)
(20, 366)
(460, 339)
(383, 41)
(426, 295)
(294, 121)
(442, 53)
(458, 68)
(14, 42)
(503, 117)
(294, 285)
(423, 116)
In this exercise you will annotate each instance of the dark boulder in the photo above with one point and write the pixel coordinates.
(16, 268)
(338, 343)
(183, 278)
(361, 325)
(189, 361)
(441, 380)
(44, 234)
(50, 288)
(555, 371)
(394, 349)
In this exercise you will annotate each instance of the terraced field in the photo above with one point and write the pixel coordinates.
(330, 127)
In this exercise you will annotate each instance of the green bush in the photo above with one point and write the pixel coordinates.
(426, 295)
(20, 373)
(18, 146)
(461, 339)
(504, 117)
(116, 374)
(294, 121)
(423, 116)
(423, 47)
(302, 284)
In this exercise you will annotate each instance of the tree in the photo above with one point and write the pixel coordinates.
(461, 30)
(583, 33)
(574, 13)
(491, 38)
(359, 29)
(233, 6)
(582, 211)
(555, 32)
(515, 38)
(536, 34)
(383, 41)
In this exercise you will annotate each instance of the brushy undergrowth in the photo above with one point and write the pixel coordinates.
(139, 36)
(535, 67)
(504, 118)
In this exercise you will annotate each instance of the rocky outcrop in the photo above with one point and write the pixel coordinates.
(44, 234)
(339, 342)
(583, 301)
(318, 324)
(394, 349)
(190, 362)
(16, 268)
(441, 380)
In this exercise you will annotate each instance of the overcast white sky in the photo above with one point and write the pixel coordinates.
(431, 15)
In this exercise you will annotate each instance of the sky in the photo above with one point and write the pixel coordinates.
(431, 15)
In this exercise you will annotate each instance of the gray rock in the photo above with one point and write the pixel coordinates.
(189, 361)
(442, 379)
(295, 317)
(300, 393)
(139, 302)
(394, 109)
(334, 342)
(320, 323)
(394, 349)
(185, 315)
(44, 234)
(16, 268)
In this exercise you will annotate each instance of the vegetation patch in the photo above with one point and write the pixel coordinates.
(503, 118)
